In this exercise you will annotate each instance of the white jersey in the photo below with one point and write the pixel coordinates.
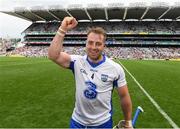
(94, 86)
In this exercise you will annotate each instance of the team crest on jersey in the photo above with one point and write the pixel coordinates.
(104, 77)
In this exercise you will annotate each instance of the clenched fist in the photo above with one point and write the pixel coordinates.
(68, 23)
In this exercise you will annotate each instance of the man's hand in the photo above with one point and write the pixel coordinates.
(124, 124)
(68, 23)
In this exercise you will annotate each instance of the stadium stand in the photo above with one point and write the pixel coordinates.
(137, 31)
(112, 52)
(132, 27)
(5, 45)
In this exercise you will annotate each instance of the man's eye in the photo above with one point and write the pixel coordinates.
(98, 44)
(90, 42)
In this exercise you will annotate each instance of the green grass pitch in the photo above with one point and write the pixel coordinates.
(36, 93)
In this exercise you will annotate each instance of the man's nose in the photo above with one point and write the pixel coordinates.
(94, 45)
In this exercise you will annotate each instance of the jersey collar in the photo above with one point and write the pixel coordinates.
(96, 64)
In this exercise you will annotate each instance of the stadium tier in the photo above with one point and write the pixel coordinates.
(122, 33)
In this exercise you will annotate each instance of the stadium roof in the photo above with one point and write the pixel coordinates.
(98, 12)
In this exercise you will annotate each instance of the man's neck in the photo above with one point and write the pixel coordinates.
(96, 61)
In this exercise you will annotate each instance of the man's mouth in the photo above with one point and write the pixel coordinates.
(93, 52)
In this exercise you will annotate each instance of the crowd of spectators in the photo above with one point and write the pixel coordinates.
(2, 49)
(112, 52)
(4, 46)
(143, 52)
(29, 51)
(112, 27)
(132, 27)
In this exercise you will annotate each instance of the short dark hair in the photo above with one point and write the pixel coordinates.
(97, 30)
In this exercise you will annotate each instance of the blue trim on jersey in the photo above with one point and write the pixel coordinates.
(96, 64)
(74, 124)
(111, 111)
(71, 66)
(115, 83)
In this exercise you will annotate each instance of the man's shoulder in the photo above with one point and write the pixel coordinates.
(113, 63)
(76, 57)
(115, 66)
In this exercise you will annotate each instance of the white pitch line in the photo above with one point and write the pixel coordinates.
(171, 122)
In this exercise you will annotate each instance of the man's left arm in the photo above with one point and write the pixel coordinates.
(126, 104)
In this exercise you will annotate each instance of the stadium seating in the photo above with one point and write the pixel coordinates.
(113, 52)
(119, 42)
(132, 27)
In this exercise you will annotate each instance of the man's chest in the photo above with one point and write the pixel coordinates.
(102, 76)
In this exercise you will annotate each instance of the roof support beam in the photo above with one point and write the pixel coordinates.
(53, 15)
(125, 13)
(37, 16)
(88, 15)
(145, 12)
(106, 14)
(178, 18)
(164, 13)
(68, 13)
(20, 16)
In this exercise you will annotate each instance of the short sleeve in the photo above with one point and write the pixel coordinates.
(72, 62)
(120, 77)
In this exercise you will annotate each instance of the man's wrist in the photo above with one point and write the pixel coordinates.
(128, 123)
(62, 29)
(61, 32)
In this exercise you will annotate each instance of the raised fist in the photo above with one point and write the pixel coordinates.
(68, 23)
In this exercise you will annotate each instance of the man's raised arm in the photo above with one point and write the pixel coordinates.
(55, 50)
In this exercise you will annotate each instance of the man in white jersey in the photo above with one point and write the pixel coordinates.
(95, 77)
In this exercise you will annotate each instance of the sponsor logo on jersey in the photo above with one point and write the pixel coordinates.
(90, 92)
(93, 70)
(104, 77)
(83, 71)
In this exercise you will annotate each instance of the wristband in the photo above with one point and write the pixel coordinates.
(60, 33)
(61, 30)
